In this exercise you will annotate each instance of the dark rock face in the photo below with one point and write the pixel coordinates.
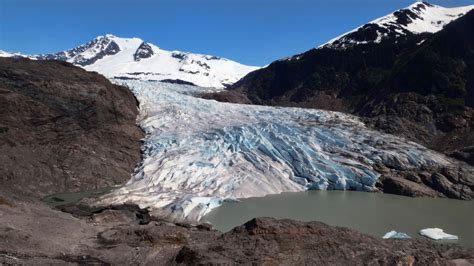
(404, 17)
(269, 241)
(178, 81)
(178, 55)
(390, 30)
(105, 45)
(63, 129)
(143, 51)
(464, 154)
(431, 90)
(111, 48)
(444, 182)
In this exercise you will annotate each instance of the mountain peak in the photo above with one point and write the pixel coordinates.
(132, 58)
(419, 17)
(420, 3)
(107, 36)
(112, 37)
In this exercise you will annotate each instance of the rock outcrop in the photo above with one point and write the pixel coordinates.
(270, 241)
(63, 129)
(32, 233)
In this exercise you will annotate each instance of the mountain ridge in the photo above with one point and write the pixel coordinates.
(410, 19)
(420, 17)
(61, 128)
(133, 58)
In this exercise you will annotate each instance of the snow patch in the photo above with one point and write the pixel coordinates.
(19, 55)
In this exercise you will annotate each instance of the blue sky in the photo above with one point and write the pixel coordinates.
(253, 32)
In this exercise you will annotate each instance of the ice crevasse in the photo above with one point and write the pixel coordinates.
(198, 153)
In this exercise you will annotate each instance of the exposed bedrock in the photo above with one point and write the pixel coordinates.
(456, 183)
(63, 129)
(33, 233)
(270, 241)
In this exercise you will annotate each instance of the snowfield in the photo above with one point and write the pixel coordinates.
(201, 70)
(417, 18)
(198, 153)
(132, 58)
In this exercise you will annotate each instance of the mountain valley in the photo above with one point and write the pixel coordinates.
(112, 152)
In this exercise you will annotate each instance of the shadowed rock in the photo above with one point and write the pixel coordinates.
(63, 129)
(271, 241)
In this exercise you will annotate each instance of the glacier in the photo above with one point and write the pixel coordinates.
(198, 153)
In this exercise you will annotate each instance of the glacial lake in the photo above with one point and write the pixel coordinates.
(370, 213)
(65, 198)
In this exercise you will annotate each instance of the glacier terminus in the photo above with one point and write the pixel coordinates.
(198, 153)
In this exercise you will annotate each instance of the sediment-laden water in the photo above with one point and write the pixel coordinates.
(371, 213)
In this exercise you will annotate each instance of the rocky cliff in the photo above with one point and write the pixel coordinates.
(63, 129)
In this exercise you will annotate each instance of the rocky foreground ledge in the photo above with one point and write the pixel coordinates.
(63, 129)
(33, 233)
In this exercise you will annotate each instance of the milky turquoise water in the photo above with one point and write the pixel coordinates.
(371, 213)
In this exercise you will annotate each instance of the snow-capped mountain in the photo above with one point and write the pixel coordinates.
(7, 54)
(132, 58)
(420, 17)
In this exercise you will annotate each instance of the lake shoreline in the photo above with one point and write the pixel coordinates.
(384, 212)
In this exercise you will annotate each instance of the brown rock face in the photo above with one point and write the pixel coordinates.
(435, 182)
(63, 129)
(268, 241)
